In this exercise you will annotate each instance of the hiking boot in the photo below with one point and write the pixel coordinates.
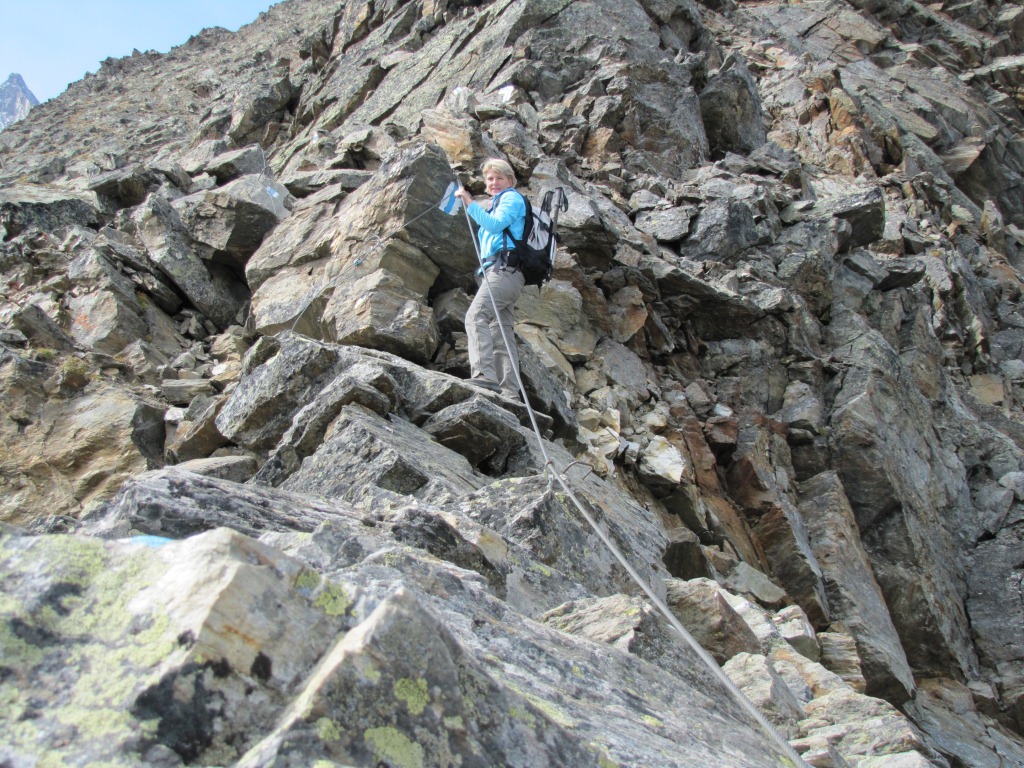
(485, 383)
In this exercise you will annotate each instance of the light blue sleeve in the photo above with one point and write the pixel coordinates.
(511, 212)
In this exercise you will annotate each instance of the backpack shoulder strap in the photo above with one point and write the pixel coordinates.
(526, 222)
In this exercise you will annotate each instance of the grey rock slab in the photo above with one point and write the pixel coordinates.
(302, 238)
(184, 391)
(710, 619)
(755, 676)
(946, 712)
(854, 596)
(351, 241)
(176, 503)
(806, 679)
(899, 482)
(641, 722)
(197, 436)
(782, 533)
(796, 630)
(547, 396)
(548, 524)
(902, 273)
(305, 183)
(294, 388)
(775, 520)
(839, 655)
(666, 226)
(128, 186)
(723, 230)
(623, 366)
(871, 728)
(236, 468)
(377, 310)
(633, 625)
(43, 330)
(388, 518)
(997, 612)
(70, 452)
(284, 375)
(864, 211)
(443, 704)
(361, 450)
(365, 383)
(488, 436)
(226, 166)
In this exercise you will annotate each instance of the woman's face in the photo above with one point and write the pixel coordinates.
(496, 182)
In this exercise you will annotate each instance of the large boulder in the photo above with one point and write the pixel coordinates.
(362, 279)
(210, 288)
(234, 219)
(28, 208)
(730, 107)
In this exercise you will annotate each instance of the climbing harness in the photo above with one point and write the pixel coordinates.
(559, 477)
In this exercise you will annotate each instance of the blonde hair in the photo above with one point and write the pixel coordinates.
(498, 165)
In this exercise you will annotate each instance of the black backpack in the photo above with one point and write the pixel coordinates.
(534, 254)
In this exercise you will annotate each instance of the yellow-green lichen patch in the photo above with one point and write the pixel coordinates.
(413, 693)
(307, 581)
(327, 729)
(523, 715)
(547, 708)
(73, 559)
(333, 600)
(392, 559)
(652, 721)
(541, 568)
(109, 652)
(553, 712)
(394, 747)
(108, 723)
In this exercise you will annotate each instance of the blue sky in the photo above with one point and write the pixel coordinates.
(52, 43)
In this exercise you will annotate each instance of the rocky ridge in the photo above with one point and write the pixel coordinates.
(253, 516)
(15, 100)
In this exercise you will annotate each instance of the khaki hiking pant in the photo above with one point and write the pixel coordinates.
(488, 357)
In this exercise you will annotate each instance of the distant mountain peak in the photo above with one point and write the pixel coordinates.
(15, 100)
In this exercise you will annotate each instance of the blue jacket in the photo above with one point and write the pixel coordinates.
(508, 209)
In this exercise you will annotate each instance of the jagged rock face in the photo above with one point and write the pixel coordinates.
(780, 363)
(15, 100)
